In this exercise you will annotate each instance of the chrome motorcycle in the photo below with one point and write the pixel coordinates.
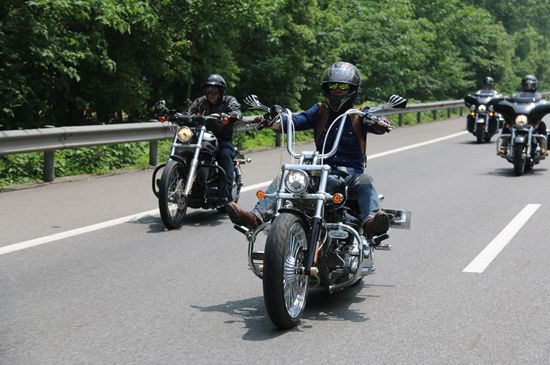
(192, 177)
(521, 143)
(315, 238)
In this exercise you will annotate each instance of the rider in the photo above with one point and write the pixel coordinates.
(214, 101)
(529, 85)
(340, 87)
(488, 90)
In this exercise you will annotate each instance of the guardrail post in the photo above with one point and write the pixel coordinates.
(49, 165)
(153, 152)
(401, 119)
(449, 113)
(418, 117)
(460, 111)
(434, 114)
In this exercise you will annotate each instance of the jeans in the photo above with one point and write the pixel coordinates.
(225, 157)
(360, 188)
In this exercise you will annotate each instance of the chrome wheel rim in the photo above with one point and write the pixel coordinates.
(176, 200)
(295, 281)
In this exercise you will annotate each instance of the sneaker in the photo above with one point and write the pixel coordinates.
(376, 224)
(242, 217)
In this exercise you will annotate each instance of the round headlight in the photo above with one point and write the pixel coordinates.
(185, 134)
(521, 120)
(481, 108)
(296, 181)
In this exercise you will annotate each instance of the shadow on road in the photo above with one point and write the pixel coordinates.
(321, 306)
(509, 172)
(198, 218)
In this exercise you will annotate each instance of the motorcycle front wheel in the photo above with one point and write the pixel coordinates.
(172, 202)
(519, 161)
(480, 134)
(284, 281)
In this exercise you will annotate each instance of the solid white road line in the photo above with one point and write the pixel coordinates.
(62, 235)
(73, 232)
(489, 253)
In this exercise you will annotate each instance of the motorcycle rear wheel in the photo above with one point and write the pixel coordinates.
(172, 203)
(284, 282)
(519, 161)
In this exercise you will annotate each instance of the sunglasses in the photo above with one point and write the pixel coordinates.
(338, 86)
(212, 90)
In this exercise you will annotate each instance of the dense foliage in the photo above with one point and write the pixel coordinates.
(74, 62)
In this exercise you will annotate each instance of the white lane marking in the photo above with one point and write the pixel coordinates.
(489, 253)
(94, 227)
(421, 144)
(73, 232)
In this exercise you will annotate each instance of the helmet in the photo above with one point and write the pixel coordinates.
(215, 80)
(529, 83)
(489, 81)
(344, 73)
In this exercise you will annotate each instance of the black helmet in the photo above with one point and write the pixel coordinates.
(489, 81)
(344, 73)
(215, 80)
(529, 83)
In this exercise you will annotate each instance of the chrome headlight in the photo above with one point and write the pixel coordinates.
(482, 108)
(185, 134)
(473, 108)
(296, 181)
(521, 120)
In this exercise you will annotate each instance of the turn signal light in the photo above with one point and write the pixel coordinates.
(225, 121)
(491, 114)
(260, 194)
(473, 114)
(162, 119)
(337, 198)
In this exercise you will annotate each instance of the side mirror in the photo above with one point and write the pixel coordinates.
(397, 102)
(254, 103)
(160, 105)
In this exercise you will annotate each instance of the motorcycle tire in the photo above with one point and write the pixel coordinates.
(172, 203)
(480, 135)
(284, 286)
(518, 160)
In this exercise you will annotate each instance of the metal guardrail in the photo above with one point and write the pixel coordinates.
(48, 140)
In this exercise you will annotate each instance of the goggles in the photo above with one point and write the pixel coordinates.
(338, 86)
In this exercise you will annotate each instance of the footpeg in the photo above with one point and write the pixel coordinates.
(241, 229)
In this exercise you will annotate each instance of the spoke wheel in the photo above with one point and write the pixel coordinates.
(284, 282)
(172, 202)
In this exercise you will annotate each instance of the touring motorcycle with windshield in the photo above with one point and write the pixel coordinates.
(522, 145)
(482, 121)
(192, 177)
(315, 238)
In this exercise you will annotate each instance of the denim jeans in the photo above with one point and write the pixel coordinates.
(225, 157)
(360, 188)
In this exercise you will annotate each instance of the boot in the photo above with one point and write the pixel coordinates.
(502, 150)
(376, 224)
(242, 217)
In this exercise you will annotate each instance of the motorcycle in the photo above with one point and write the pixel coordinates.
(192, 177)
(520, 140)
(315, 238)
(482, 121)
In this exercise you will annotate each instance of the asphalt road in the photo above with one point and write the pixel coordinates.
(130, 292)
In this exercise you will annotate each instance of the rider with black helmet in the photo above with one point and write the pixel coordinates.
(340, 87)
(213, 101)
(528, 86)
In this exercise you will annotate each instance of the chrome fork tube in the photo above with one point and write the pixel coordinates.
(194, 163)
